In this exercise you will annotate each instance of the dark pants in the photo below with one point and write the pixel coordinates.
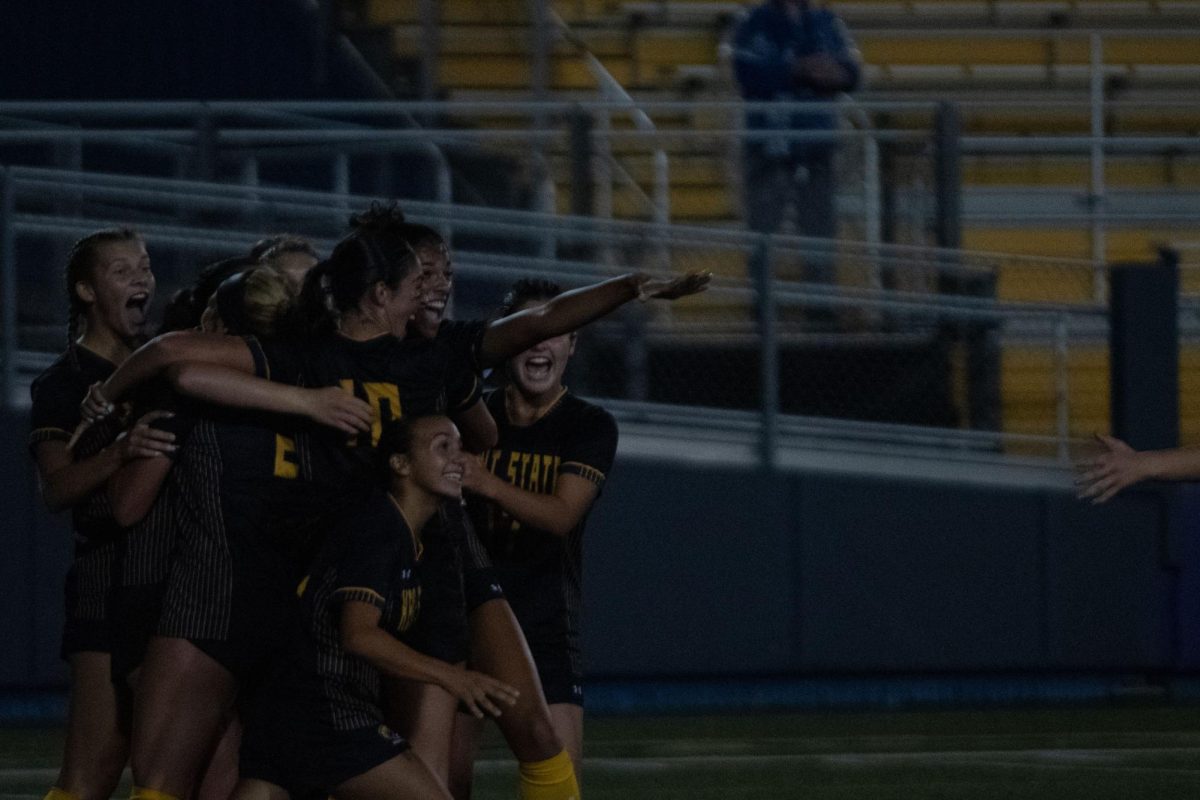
(772, 184)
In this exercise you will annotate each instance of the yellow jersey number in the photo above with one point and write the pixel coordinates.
(384, 399)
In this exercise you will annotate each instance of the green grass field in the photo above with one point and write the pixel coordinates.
(1059, 754)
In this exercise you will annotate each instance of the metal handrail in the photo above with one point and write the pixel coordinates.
(612, 90)
(21, 185)
(186, 191)
(390, 108)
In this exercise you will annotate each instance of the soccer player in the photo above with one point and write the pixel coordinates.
(534, 490)
(109, 287)
(281, 484)
(159, 497)
(291, 256)
(497, 645)
(318, 729)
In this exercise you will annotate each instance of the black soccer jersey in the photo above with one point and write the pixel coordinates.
(150, 541)
(282, 482)
(397, 377)
(465, 339)
(372, 557)
(57, 394)
(541, 573)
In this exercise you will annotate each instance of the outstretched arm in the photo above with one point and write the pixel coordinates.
(331, 405)
(1120, 466)
(157, 355)
(572, 310)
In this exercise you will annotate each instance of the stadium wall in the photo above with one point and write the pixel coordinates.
(701, 571)
(715, 572)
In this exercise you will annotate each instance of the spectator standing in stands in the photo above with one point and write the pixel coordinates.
(787, 51)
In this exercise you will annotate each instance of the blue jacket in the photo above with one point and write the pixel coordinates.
(766, 45)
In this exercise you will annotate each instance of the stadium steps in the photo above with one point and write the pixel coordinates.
(1132, 173)
(1029, 391)
(1066, 242)
(648, 45)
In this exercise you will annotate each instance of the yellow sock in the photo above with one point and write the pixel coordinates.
(56, 793)
(552, 779)
(142, 793)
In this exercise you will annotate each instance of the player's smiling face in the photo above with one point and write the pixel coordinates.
(436, 460)
(121, 288)
(404, 301)
(539, 370)
(439, 283)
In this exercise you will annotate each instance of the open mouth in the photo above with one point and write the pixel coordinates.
(538, 367)
(435, 306)
(454, 475)
(137, 303)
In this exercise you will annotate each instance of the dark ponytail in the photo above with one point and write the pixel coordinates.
(524, 290)
(186, 306)
(81, 261)
(376, 251)
(396, 438)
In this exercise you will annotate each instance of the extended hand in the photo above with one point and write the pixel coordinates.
(475, 474)
(143, 441)
(337, 408)
(94, 408)
(672, 289)
(1117, 467)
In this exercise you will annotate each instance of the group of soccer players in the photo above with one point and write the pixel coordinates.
(312, 553)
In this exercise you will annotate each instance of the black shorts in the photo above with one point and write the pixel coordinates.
(237, 603)
(136, 611)
(559, 670)
(440, 630)
(88, 591)
(480, 585)
(288, 741)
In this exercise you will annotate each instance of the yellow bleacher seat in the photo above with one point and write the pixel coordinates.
(1066, 243)
(450, 12)
(965, 49)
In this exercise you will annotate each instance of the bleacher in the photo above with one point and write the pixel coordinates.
(939, 49)
(1038, 51)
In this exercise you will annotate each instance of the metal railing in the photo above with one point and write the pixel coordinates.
(791, 354)
(235, 141)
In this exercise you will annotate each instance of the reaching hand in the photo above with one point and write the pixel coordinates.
(480, 693)
(672, 289)
(337, 408)
(92, 409)
(95, 406)
(1117, 467)
(143, 441)
(475, 474)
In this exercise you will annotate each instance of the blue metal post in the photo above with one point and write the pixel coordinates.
(767, 324)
